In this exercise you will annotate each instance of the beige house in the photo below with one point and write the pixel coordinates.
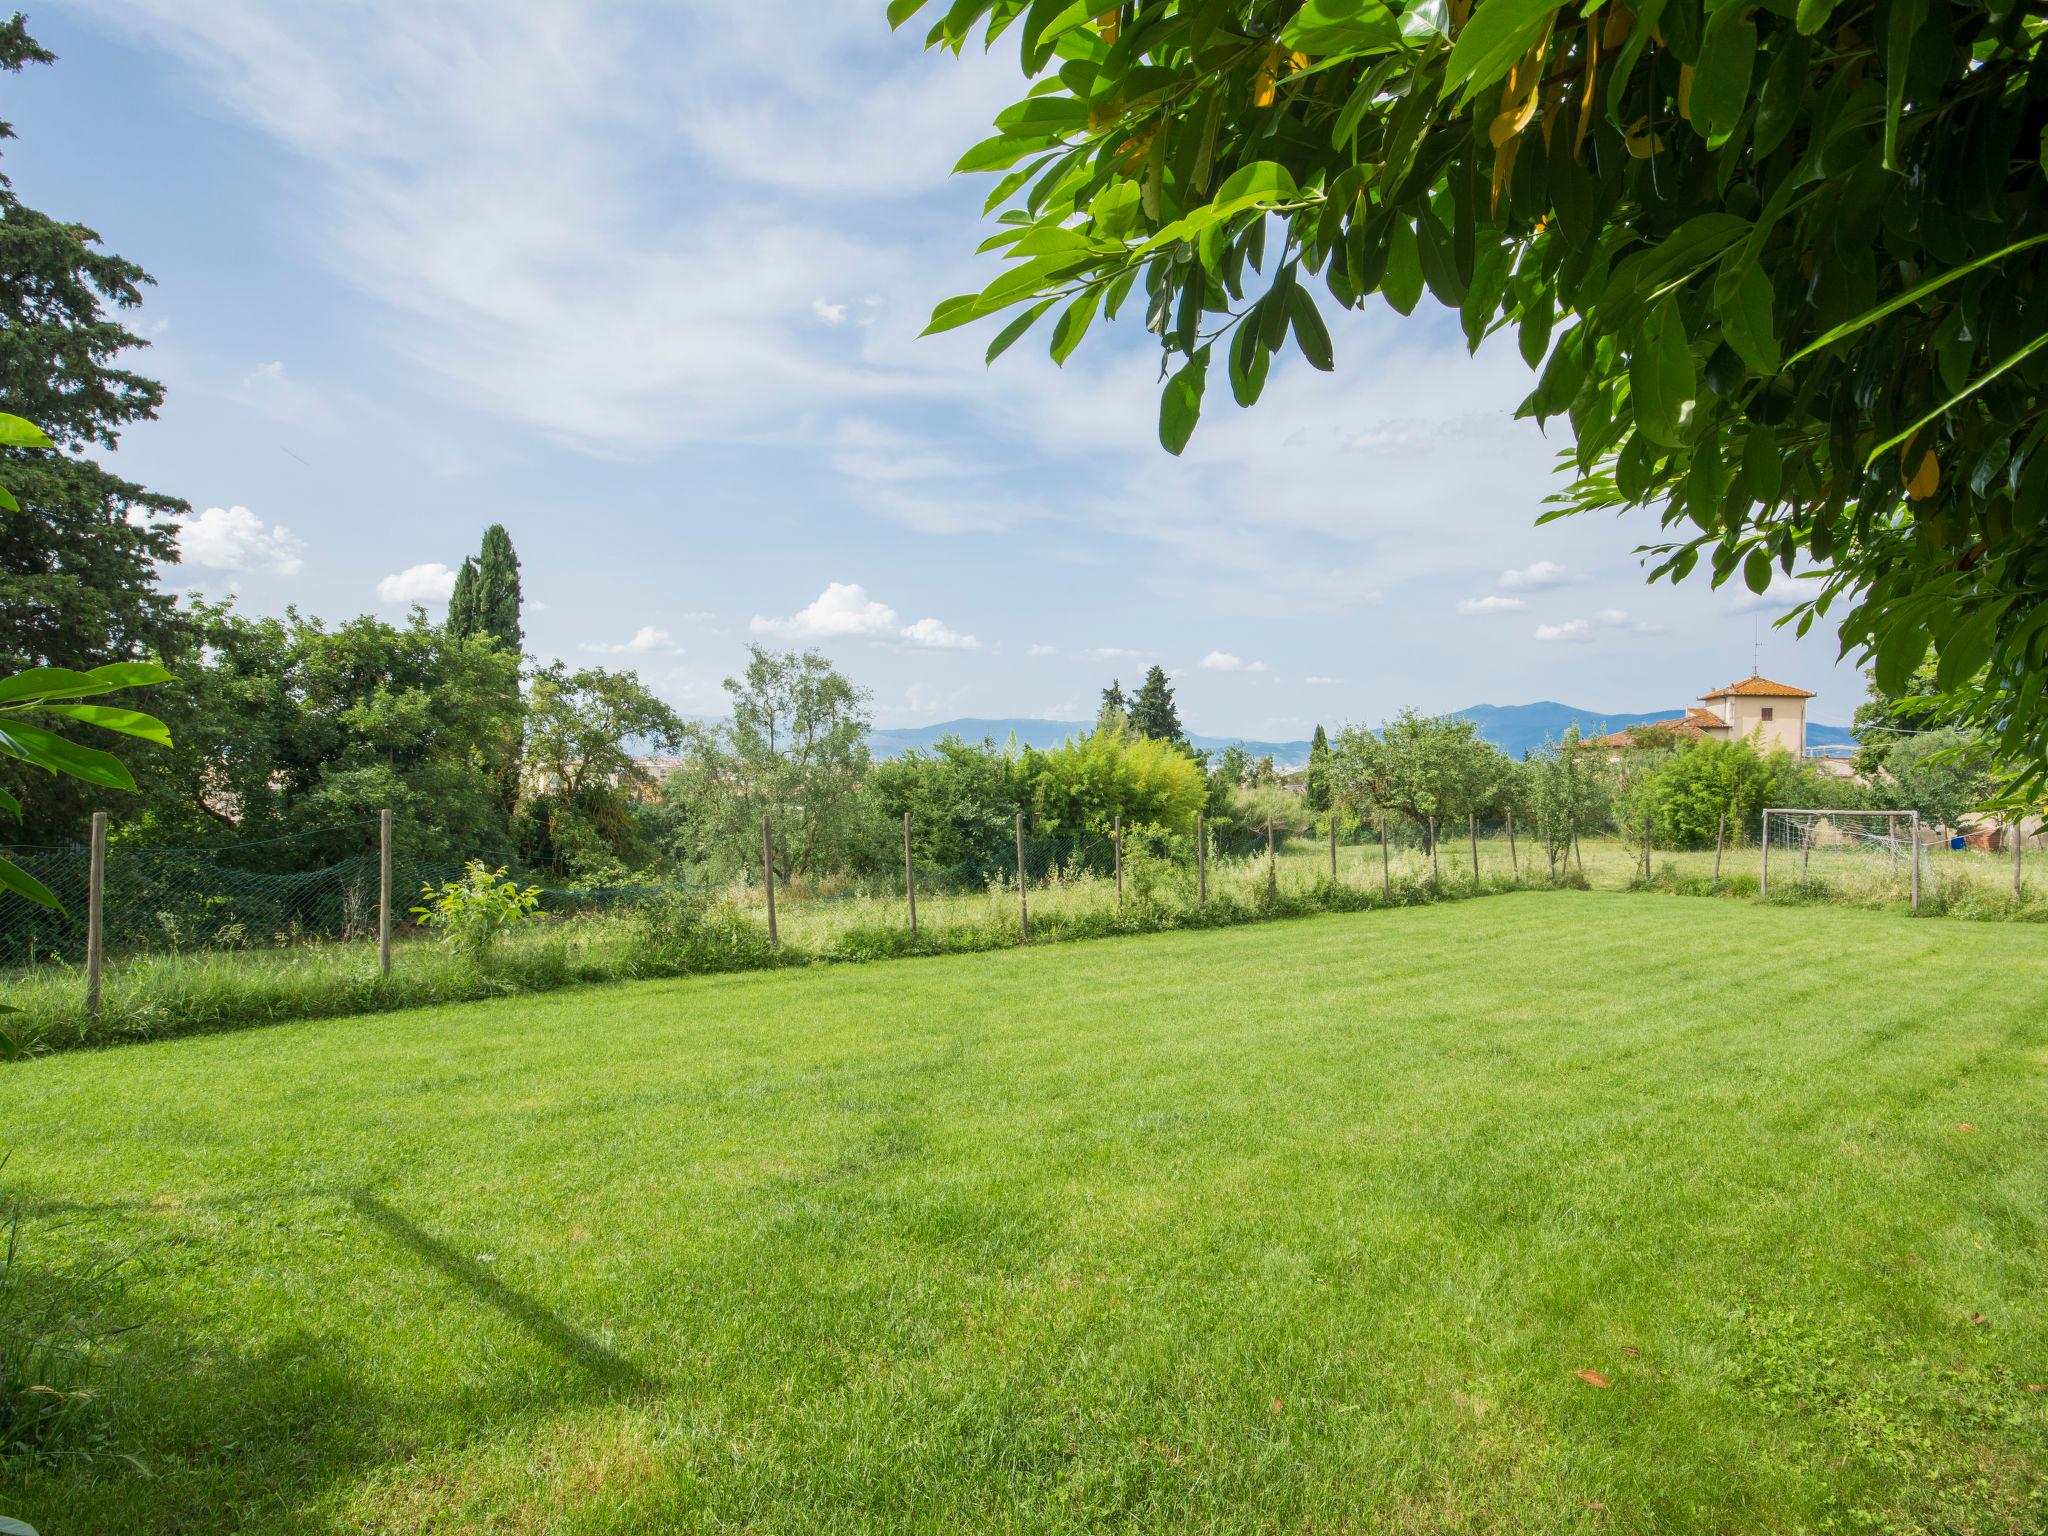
(1773, 715)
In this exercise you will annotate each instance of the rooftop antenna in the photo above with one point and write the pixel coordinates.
(1756, 649)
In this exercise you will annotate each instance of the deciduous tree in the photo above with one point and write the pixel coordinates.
(1779, 265)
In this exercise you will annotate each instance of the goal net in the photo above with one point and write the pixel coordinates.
(1842, 850)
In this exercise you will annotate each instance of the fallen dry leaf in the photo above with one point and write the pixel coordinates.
(1977, 1318)
(1964, 1125)
(1631, 1351)
(2035, 1386)
(1276, 1405)
(1594, 1379)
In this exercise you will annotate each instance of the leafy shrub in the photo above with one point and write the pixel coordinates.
(684, 932)
(474, 911)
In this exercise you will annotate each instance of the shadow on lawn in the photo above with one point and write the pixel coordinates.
(579, 1349)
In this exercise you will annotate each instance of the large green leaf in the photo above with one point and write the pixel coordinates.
(18, 880)
(18, 432)
(1323, 27)
(63, 683)
(1497, 33)
(1310, 334)
(128, 722)
(1180, 403)
(39, 748)
(1746, 320)
(1720, 84)
(1661, 378)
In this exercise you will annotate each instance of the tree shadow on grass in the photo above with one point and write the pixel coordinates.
(604, 1366)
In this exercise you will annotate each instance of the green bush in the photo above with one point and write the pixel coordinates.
(474, 912)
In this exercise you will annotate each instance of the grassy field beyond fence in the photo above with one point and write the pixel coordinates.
(1538, 1214)
(246, 978)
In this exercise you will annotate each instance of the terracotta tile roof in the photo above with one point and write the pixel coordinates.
(1694, 722)
(1759, 688)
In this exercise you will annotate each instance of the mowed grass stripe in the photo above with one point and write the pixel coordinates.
(1303, 1226)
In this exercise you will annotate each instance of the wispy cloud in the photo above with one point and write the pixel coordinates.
(646, 639)
(1570, 629)
(1224, 661)
(1493, 602)
(1538, 577)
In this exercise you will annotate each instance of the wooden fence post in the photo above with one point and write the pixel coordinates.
(1023, 905)
(1916, 861)
(1763, 885)
(1333, 846)
(768, 876)
(1272, 865)
(1201, 863)
(384, 891)
(1117, 830)
(95, 913)
(1720, 842)
(909, 876)
(1386, 864)
(1472, 827)
(1435, 873)
(1514, 863)
(2018, 888)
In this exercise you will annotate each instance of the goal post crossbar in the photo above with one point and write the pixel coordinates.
(1823, 813)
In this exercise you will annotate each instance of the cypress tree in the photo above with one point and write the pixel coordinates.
(1152, 709)
(462, 618)
(497, 590)
(1315, 784)
(1115, 714)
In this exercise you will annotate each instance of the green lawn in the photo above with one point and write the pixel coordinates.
(1292, 1227)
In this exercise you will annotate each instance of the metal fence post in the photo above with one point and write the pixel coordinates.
(2018, 828)
(1023, 903)
(1720, 842)
(1763, 887)
(1514, 862)
(768, 876)
(384, 891)
(1333, 845)
(1472, 827)
(1272, 863)
(909, 875)
(1435, 873)
(96, 913)
(1201, 863)
(1386, 863)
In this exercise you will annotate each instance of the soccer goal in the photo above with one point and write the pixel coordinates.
(1863, 845)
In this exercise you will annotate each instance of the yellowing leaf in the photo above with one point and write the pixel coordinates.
(1298, 59)
(1108, 22)
(1615, 30)
(1594, 1379)
(1641, 142)
(1685, 91)
(1922, 479)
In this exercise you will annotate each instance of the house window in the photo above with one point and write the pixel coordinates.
(1767, 711)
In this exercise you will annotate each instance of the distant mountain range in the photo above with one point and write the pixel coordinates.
(1514, 728)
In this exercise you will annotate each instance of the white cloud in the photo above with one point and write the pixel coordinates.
(831, 314)
(1321, 682)
(1041, 650)
(645, 639)
(1612, 616)
(236, 539)
(1571, 629)
(1491, 603)
(937, 635)
(1113, 653)
(1536, 578)
(428, 583)
(1224, 661)
(844, 611)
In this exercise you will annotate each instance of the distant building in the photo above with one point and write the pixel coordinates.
(1773, 715)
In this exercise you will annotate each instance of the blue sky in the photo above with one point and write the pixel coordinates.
(646, 288)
